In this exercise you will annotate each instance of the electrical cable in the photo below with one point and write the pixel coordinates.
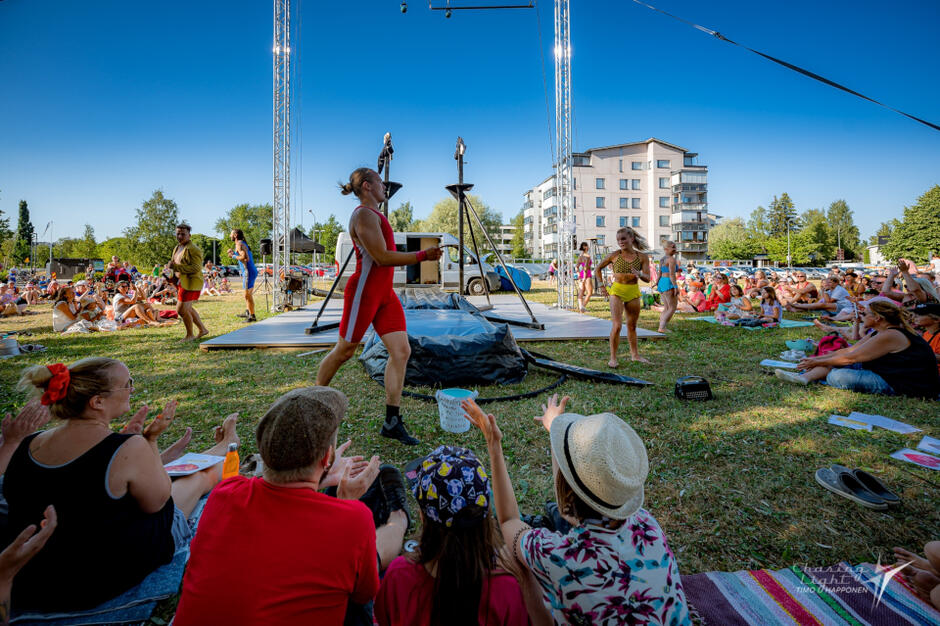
(795, 68)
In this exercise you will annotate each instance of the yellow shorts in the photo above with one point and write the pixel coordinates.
(624, 292)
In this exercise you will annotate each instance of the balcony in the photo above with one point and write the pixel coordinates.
(549, 239)
(689, 227)
(689, 187)
(692, 246)
(678, 207)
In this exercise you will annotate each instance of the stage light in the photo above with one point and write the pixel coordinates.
(404, 7)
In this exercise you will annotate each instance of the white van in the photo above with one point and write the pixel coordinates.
(443, 274)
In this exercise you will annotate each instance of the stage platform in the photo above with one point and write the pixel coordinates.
(287, 329)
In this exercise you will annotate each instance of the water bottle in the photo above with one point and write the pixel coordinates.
(231, 464)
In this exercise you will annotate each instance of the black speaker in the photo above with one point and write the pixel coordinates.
(266, 247)
(693, 388)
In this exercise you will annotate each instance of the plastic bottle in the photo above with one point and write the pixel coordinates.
(231, 464)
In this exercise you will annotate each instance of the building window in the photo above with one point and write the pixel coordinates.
(664, 183)
(635, 222)
(600, 240)
(664, 202)
(623, 203)
(621, 165)
(636, 165)
(599, 221)
(635, 184)
(624, 221)
(599, 202)
(636, 203)
(663, 164)
(574, 183)
(598, 183)
(574, 203)
(664, 220)
(686, 235)
(624, 183)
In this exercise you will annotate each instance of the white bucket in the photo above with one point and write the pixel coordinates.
(448, 405)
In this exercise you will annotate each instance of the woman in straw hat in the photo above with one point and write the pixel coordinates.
(614, 566)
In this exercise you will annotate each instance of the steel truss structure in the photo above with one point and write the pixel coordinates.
(564, 176)
(281, 222)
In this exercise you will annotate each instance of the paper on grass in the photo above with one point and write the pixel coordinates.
(929, 444)
(784, 365)
(841, 420)
(883, 422)
(917, 458)
(190, 463)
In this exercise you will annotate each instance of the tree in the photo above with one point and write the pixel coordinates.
(154, 236)
(24, 235)
(86, 247)
(443, 219)
(205, 243)
(802, 249)
(757, 225)
(519, 250)
(918, 234)
(885, 230)
(402, 218)
(730, 239)
(816, 227)
(780, 213)
(255, 220)
(328, 234)
(842, 226)
(5, 232)
(121, 247)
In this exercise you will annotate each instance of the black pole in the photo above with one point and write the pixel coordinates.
(458, 154)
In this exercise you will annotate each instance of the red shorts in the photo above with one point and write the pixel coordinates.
(186, 295)
(360, 308)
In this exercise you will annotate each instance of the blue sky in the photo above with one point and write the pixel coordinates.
(104, 101)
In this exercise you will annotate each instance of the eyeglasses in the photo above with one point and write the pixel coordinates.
(129, 386)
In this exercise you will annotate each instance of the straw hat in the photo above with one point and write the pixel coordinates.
(603, 460)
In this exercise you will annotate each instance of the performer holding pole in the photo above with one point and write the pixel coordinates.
(246, 263)
(369, 298)
(629, 266)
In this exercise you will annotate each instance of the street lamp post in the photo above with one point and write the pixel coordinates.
(789, 264)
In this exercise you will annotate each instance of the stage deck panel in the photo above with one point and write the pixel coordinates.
(287, 329)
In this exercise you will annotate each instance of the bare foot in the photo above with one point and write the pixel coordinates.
(202, 333)
(904, 556)
(226, 432)
(176, 450)
(639, 359)
(925, 581)
(612, 363)
(663, 330)
(188, 338)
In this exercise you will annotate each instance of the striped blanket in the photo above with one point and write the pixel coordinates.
(840, 594)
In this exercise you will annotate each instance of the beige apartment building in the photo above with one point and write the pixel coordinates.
(655, 187)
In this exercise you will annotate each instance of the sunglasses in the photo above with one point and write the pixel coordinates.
(128, 386)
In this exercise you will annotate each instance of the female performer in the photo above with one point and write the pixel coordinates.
(246, 262)
(629, 265)
(585, 277)
(668, 268)
(370, 300)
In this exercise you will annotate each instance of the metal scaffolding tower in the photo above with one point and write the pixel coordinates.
(281, 224)
(563, 173)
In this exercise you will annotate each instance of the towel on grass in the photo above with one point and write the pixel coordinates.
(783, 323)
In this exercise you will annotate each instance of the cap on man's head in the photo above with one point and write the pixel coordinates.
(298, 429)
(927, 308)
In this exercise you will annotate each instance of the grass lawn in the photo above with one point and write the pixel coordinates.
(731, 480)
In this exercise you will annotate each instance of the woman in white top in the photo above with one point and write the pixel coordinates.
(127, 306)
(65, 309)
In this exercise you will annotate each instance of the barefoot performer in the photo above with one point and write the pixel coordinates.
(369, 298)
(667, 284)
(186, 262)
(246, 263)
(629, 265)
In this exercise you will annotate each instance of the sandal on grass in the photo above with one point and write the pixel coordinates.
(871, 483)
(847, 485)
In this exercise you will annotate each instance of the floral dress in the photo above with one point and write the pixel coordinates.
(595, 575)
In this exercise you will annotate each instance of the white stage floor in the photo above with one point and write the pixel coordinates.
(287, 330)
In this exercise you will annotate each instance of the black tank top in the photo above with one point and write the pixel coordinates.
(102, 545)
(910, 372)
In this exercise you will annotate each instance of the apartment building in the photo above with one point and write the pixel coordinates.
(504, 240)
(655, 187)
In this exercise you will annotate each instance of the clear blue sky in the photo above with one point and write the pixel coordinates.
(104, 101)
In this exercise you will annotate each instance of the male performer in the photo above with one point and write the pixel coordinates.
(370, 299)
(186, 262)
(246, 263)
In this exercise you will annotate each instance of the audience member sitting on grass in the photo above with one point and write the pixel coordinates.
(923, 573)
(615, 563)
(835, 299)
(306, 555)
(454, 576)
(770, 308)
(720, 294)
(18, 553)
(31, 293)
(893, 360)
(927, 318)
(801, 291)
(739, 306)
(853, 285)
(121, 515)
(917, 290)
(11, 303)
(91, 306)
(129, 307)
(759, 281)
(65, 310)
(693, 301)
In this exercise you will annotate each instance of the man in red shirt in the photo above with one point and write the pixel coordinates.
(274, 550)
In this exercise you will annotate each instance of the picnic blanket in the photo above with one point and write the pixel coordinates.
(841, 594)
(783, 323)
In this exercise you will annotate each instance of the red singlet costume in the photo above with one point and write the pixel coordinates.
(369, 297)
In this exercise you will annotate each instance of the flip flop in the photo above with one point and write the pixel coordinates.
(874, 485)
(846, 485)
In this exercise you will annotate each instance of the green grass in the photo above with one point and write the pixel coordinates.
(731, 480)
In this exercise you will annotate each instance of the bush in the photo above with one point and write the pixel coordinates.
(79, 276)
(3, 276)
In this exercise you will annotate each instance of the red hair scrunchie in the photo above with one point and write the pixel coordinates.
(58, 384)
